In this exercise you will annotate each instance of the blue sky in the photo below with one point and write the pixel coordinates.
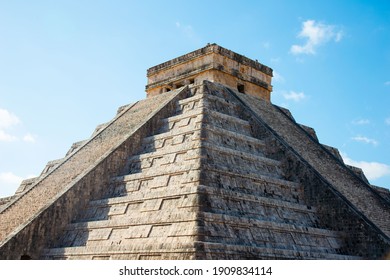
(65, 67)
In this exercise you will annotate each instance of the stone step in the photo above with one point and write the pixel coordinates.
(232, 123)
(267, 236)
(144, 251)
(142, 182)
(215, 90)
(300, 242)
(223, 106)
(254, 184)
(192, 163)
(184, 198)
(188, 104)
(171, 138)
(215, 154)
(218, 251)
(245, 172)
(175, 176)
(233, 140)
(144, 227)
(239, 162)
(211, 102)
(172, 127)
(229, 229)
(138, 197)
(227, 122)
(163, 158)
(189, 118)
(138, 250)
(216, 200)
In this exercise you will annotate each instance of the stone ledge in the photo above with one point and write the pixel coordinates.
(262, 200)
(249, 252)
(255, 177)
(211, 48)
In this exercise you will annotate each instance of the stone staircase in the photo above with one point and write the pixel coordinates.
(346, 200)
(56, 197)
(249, 210)
(150, 212)
(203, 186)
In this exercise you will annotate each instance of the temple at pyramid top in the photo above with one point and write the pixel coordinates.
(215, 64)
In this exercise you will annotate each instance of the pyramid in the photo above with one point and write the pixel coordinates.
(205, 167)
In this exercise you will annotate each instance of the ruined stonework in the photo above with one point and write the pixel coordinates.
(205, 170)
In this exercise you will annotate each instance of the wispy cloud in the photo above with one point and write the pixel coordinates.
(9, 182)
(275, 60)
(187, 31)
(366, 140)
(361, 122)
(186, 28)
(266, 45)
(29, 138)
(372, 170)
(387, 121)
(9, 120)
(278, 78)
(294, 96)
(387, 83)
(5, 137)
(316, 34)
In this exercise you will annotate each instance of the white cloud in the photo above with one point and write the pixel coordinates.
(7, 119)
(266, 45)
(187, 30)
(9, 183)
(372, 170)
(366, 140)
(278, 78)
(316, 34)
(29, 138)
(361, 122)
(275, 60)
(5, 137)
(295, 96)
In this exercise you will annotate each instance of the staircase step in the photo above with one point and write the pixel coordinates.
(233, 140)
(137, 251)
(229, 229)
(136, 198)
(218, 251)
(256, 184)
(272, 202)
(240, 162)
(227, 122)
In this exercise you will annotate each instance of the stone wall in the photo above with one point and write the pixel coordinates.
(344, 201)
(215, 64)
(34, 228)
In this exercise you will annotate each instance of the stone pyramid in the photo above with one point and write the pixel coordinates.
(206, 167)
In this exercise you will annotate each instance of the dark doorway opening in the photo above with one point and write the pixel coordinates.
(25, 257)
(241, 88)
